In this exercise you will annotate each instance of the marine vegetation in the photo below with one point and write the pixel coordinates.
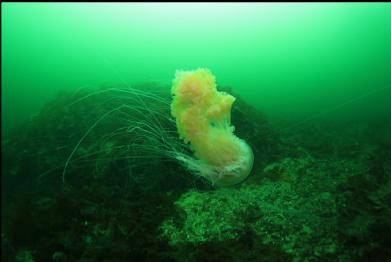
(103, 175)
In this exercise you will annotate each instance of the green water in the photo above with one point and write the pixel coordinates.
(287, 59)
(94, 169)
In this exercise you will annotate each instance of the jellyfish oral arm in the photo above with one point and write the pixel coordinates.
(203, 117)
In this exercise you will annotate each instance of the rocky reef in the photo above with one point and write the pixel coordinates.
(318, 192)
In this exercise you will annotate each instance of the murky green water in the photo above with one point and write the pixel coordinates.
(285, 59)
(82, 85)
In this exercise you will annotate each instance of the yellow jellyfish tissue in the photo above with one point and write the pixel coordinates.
(203, 119)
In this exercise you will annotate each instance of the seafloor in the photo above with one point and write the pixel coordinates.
(320, 191)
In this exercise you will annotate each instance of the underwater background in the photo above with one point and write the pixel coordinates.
(313, 89)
